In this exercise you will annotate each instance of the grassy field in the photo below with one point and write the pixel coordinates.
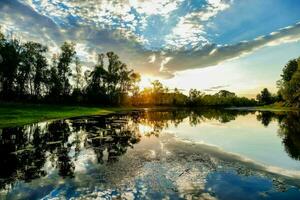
(20, 114)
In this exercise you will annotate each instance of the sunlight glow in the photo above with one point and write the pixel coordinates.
(146, 81)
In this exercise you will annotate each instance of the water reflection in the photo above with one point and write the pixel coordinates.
(290, 132)
(289, 129)
(34, 151)
(24, 150)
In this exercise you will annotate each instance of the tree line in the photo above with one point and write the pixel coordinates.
(26, 74)
(29, 74)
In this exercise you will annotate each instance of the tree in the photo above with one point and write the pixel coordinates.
(158, 91)
(157, 87)
(78, 78)
(54, 83)
(264, 97)
(61, 71)
(225, 94)
(289, 69)
(36, 64)
(63, 66)
(195, 97)
(96, 79)
(292, 90)
(11, 52)
(40, 72)
(135, 78)
(289, 85)
(118, 80)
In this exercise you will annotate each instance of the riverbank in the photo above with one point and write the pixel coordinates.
(273, 108)
(15, 114)
(276, 107)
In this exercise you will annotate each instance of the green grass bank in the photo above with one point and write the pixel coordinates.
(14, 114)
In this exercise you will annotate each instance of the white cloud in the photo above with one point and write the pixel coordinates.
(154, 7)
(211, 55)
(30, 25)
(106, 14)
(186, 33)
(190, 30)
(163, 63)
(152, 58)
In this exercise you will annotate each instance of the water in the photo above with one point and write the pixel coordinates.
(154, 154)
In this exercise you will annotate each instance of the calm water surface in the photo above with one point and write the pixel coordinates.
(154, 154)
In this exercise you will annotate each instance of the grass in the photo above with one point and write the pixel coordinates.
(276, 107)
(12, 114)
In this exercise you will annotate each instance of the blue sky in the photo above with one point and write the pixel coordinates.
(240, 45)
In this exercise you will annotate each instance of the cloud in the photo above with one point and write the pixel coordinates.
(213, 54)
(91, 26)
(163, 63)
(130, 16)
(190, 30)
(214, 88)
(152, 58)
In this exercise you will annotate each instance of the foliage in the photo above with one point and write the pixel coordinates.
(160, 96)
(265, 97)
(289, 85)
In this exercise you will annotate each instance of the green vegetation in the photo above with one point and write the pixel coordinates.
(288, 95)
(278, 107)
(20, 114)
(265, 97)
(289, 85)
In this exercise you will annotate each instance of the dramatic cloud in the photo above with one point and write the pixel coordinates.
(212, 54)
(190, 30)
(153, 37)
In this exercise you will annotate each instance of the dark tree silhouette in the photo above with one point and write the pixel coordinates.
(265, 97)
(27, 75)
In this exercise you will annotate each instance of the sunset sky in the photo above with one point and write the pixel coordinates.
(237, 45)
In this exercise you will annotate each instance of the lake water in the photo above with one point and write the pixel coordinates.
(154, 154)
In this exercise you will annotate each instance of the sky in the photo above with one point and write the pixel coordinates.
(237, 45)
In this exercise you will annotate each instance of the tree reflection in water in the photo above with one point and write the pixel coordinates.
(289, 130)
(25, 150)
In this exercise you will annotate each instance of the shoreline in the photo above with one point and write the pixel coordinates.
(12, 115)
(17, 114)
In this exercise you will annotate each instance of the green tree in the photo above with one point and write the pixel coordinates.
(265, 97)
(225, 94)
(289, 69)
(195, 97)
(292, 90)
(289, 85)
